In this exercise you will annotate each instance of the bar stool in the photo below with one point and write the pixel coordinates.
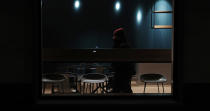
(153, 78)
(94, 79)
(56, 80)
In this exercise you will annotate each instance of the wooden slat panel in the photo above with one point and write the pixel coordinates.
(106, 55)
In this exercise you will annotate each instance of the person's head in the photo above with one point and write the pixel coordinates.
(118, 36)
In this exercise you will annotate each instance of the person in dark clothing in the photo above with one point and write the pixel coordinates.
(123, 70)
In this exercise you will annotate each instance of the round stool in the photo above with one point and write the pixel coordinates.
(54, 80)
(153, 78)
(91, 79)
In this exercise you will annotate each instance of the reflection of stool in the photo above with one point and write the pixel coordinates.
(153, 78)
(55, 80)
(72, 80)
(109, 85)
(91, 79)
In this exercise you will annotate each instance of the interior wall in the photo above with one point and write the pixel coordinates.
(92, 25)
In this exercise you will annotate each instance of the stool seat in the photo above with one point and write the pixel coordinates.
(70, 74)
(53, 79)
(153, 78)
(93, 78)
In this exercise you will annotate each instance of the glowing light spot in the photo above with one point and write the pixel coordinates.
(139, 16)
(117, 6)
(76, 4)
(94, 51)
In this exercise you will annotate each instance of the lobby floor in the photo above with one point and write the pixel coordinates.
(150, 88)
(136, 88)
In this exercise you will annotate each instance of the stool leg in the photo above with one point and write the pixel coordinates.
(86, 88)
(76, 84)
(62, 87)
(163, 87)
(102, 87)
(70, 84)
(158, 87)
(80, 87)
(97, 87)
(106, 85)
(43, 90)
(145, 86)
(59, 87)
(52, 89)
(83, 87)
(90, 87)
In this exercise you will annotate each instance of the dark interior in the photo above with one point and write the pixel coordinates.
(92, 25)
(21, 55)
